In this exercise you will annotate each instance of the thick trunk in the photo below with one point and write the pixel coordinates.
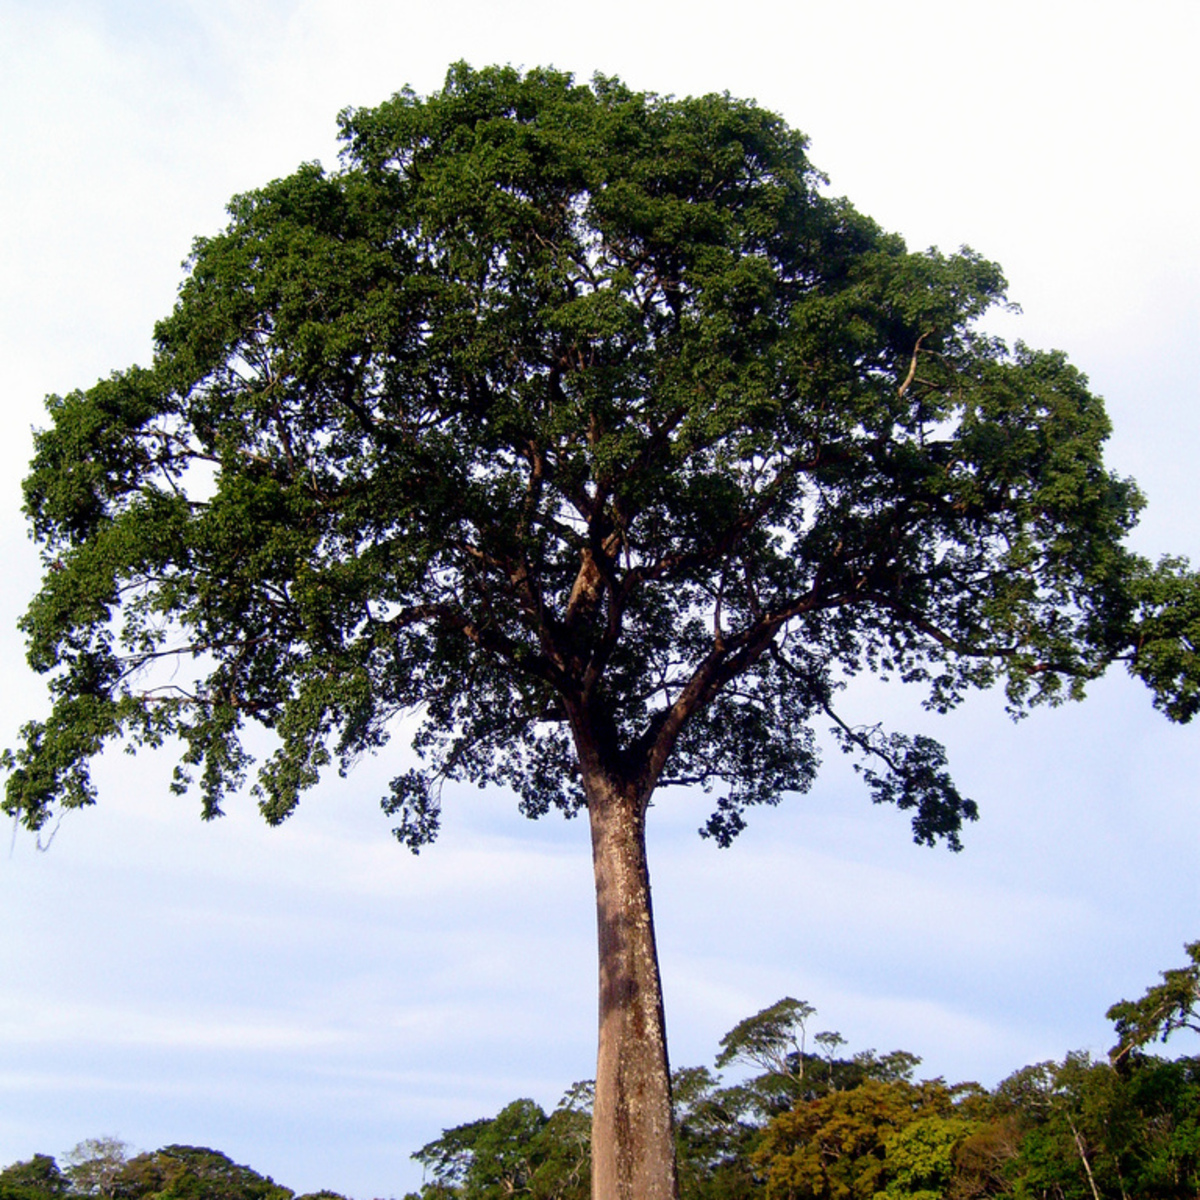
(633, 1150)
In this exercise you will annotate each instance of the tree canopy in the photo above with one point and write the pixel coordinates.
(558, 396)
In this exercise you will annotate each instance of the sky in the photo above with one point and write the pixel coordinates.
(318, 1003)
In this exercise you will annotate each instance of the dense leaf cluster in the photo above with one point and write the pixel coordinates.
(567, 416)
(519, 1152)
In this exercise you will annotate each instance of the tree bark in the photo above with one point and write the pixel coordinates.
(633, 1147)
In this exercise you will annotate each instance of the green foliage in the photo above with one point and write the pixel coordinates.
(192, 1173)
(716, 1130)
(37, 1179)
(95, 1163)
(859, 1126)
(566, 415)
(519, 1152)
(99, 1167)
(1164, 1009)
(773, 1040)
(1164, 1137)
(920, 1157)
(1074, 1129)
(718, 1127)
(1086, 1128)
(836, 1147)
(1168, 636)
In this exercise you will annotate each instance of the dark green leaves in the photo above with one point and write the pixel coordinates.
(1165, 1008)
(1167, 624)
(913, 775)
(519, 1152)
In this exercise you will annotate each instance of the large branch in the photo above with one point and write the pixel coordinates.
(732, 656)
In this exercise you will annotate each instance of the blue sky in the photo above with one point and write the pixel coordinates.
(318, 1003)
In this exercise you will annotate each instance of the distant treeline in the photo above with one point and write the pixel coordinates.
(103, 1167)
(807, 1123)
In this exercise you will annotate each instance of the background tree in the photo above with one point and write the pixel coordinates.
(921, 1157)
(837, 1147)
(773, 1040)
(1164, 1009)
(1083, 1129)
(94, 1164)
(194, 1173)
(829, 1041)
(716, 1130)
(583, 425)
(519, 1152)
(37, 1179)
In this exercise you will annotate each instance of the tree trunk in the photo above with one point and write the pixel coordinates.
(633, 1147)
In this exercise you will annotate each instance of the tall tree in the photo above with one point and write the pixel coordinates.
(583, 425)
